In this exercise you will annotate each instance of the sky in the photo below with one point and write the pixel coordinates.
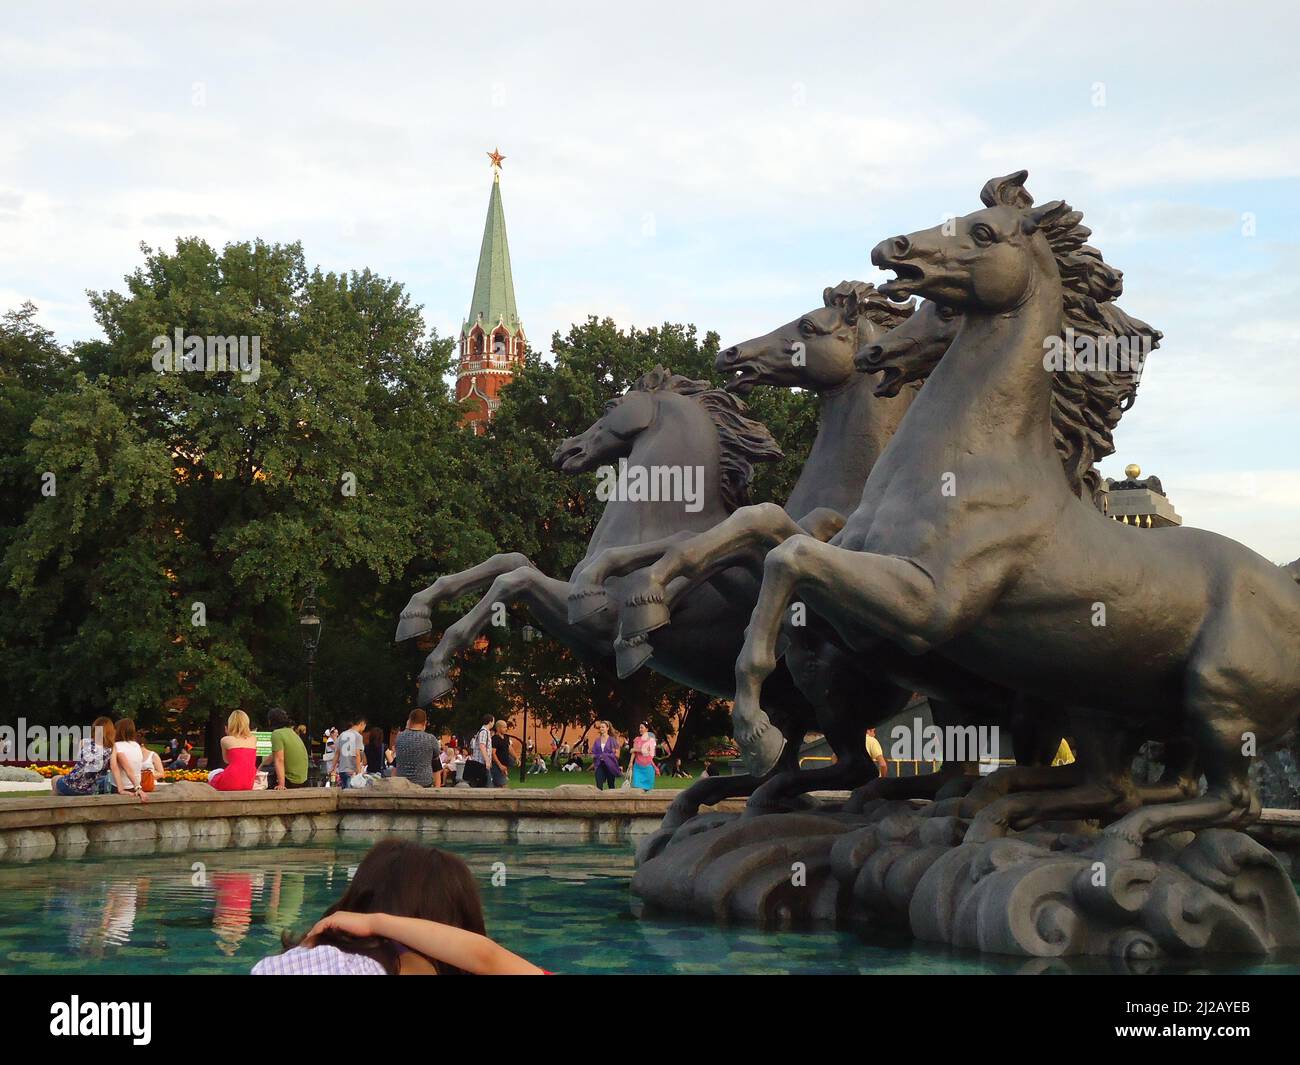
(718, 164)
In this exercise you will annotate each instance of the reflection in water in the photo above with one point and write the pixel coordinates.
(284, 891)
(120, 910)
(565, 907)
(233, 913)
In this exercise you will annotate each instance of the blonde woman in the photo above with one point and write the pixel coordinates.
(239, 748)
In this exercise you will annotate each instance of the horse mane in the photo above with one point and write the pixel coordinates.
(742, 440)
(861, 303)
(1086, 405)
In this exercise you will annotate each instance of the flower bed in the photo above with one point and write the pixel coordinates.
(174, 776)
(52, 769)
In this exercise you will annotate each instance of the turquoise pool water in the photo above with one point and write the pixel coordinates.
(567, 908)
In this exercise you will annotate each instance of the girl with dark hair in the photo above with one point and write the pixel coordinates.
(643, 758)
(409, 910)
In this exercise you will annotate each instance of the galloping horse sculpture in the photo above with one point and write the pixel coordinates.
(1081, 419)
(664, 421)
(814, 351)
(970, 545)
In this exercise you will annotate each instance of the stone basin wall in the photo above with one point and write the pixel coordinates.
(194, 816)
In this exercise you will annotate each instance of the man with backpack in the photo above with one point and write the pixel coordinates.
(478, 768)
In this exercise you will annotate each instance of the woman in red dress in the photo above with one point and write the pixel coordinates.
(239, 748)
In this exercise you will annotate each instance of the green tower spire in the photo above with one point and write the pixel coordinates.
(494, 286)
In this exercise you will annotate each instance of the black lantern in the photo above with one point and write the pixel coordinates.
(309, 626)
(529, 634)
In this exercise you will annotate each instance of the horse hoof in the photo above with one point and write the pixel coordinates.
(642, 613)
(586, 602)
(631, 655)
(761, 749)
(414, 621)
(433, 686)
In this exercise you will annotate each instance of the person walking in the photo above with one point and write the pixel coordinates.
(605, 752)
(876, 753)
(286, 765)
(417, 751)
(327, 756)
(349, 752)
(643, 758)
(501, 757)
(477, 766)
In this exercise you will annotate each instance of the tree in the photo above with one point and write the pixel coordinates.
(194, 506)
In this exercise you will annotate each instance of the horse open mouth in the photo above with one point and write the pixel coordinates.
(904, 285)
(890, 383)
(742, 379)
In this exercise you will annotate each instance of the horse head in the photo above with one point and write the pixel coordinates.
(613, 435)
(667, 416)
(908, 352)
(995, 260)
(815, 350)
(992, 260)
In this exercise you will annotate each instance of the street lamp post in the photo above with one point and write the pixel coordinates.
(309, 625)
(529, 634)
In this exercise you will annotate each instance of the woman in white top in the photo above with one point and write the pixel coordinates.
(128, 759)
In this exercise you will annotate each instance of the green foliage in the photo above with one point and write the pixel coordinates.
(189, 491)
(187, 497)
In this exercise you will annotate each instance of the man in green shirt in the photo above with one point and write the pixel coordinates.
(286, 765)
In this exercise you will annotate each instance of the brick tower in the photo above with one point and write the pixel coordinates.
(492, 341)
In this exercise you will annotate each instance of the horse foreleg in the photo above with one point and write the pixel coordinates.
(546, 599)
(887, 596)
(415, 617)
(761, 743)
(740, 539)
(587, 594)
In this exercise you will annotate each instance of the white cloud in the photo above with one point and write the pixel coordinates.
(717, 163)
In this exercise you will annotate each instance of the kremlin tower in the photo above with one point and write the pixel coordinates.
(492, 341)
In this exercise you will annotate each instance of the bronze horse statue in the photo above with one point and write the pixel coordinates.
(971, 546)
(825, 670)
(814, 351)
(664, 422)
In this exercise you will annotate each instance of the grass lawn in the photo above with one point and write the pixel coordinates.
(555, 778)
